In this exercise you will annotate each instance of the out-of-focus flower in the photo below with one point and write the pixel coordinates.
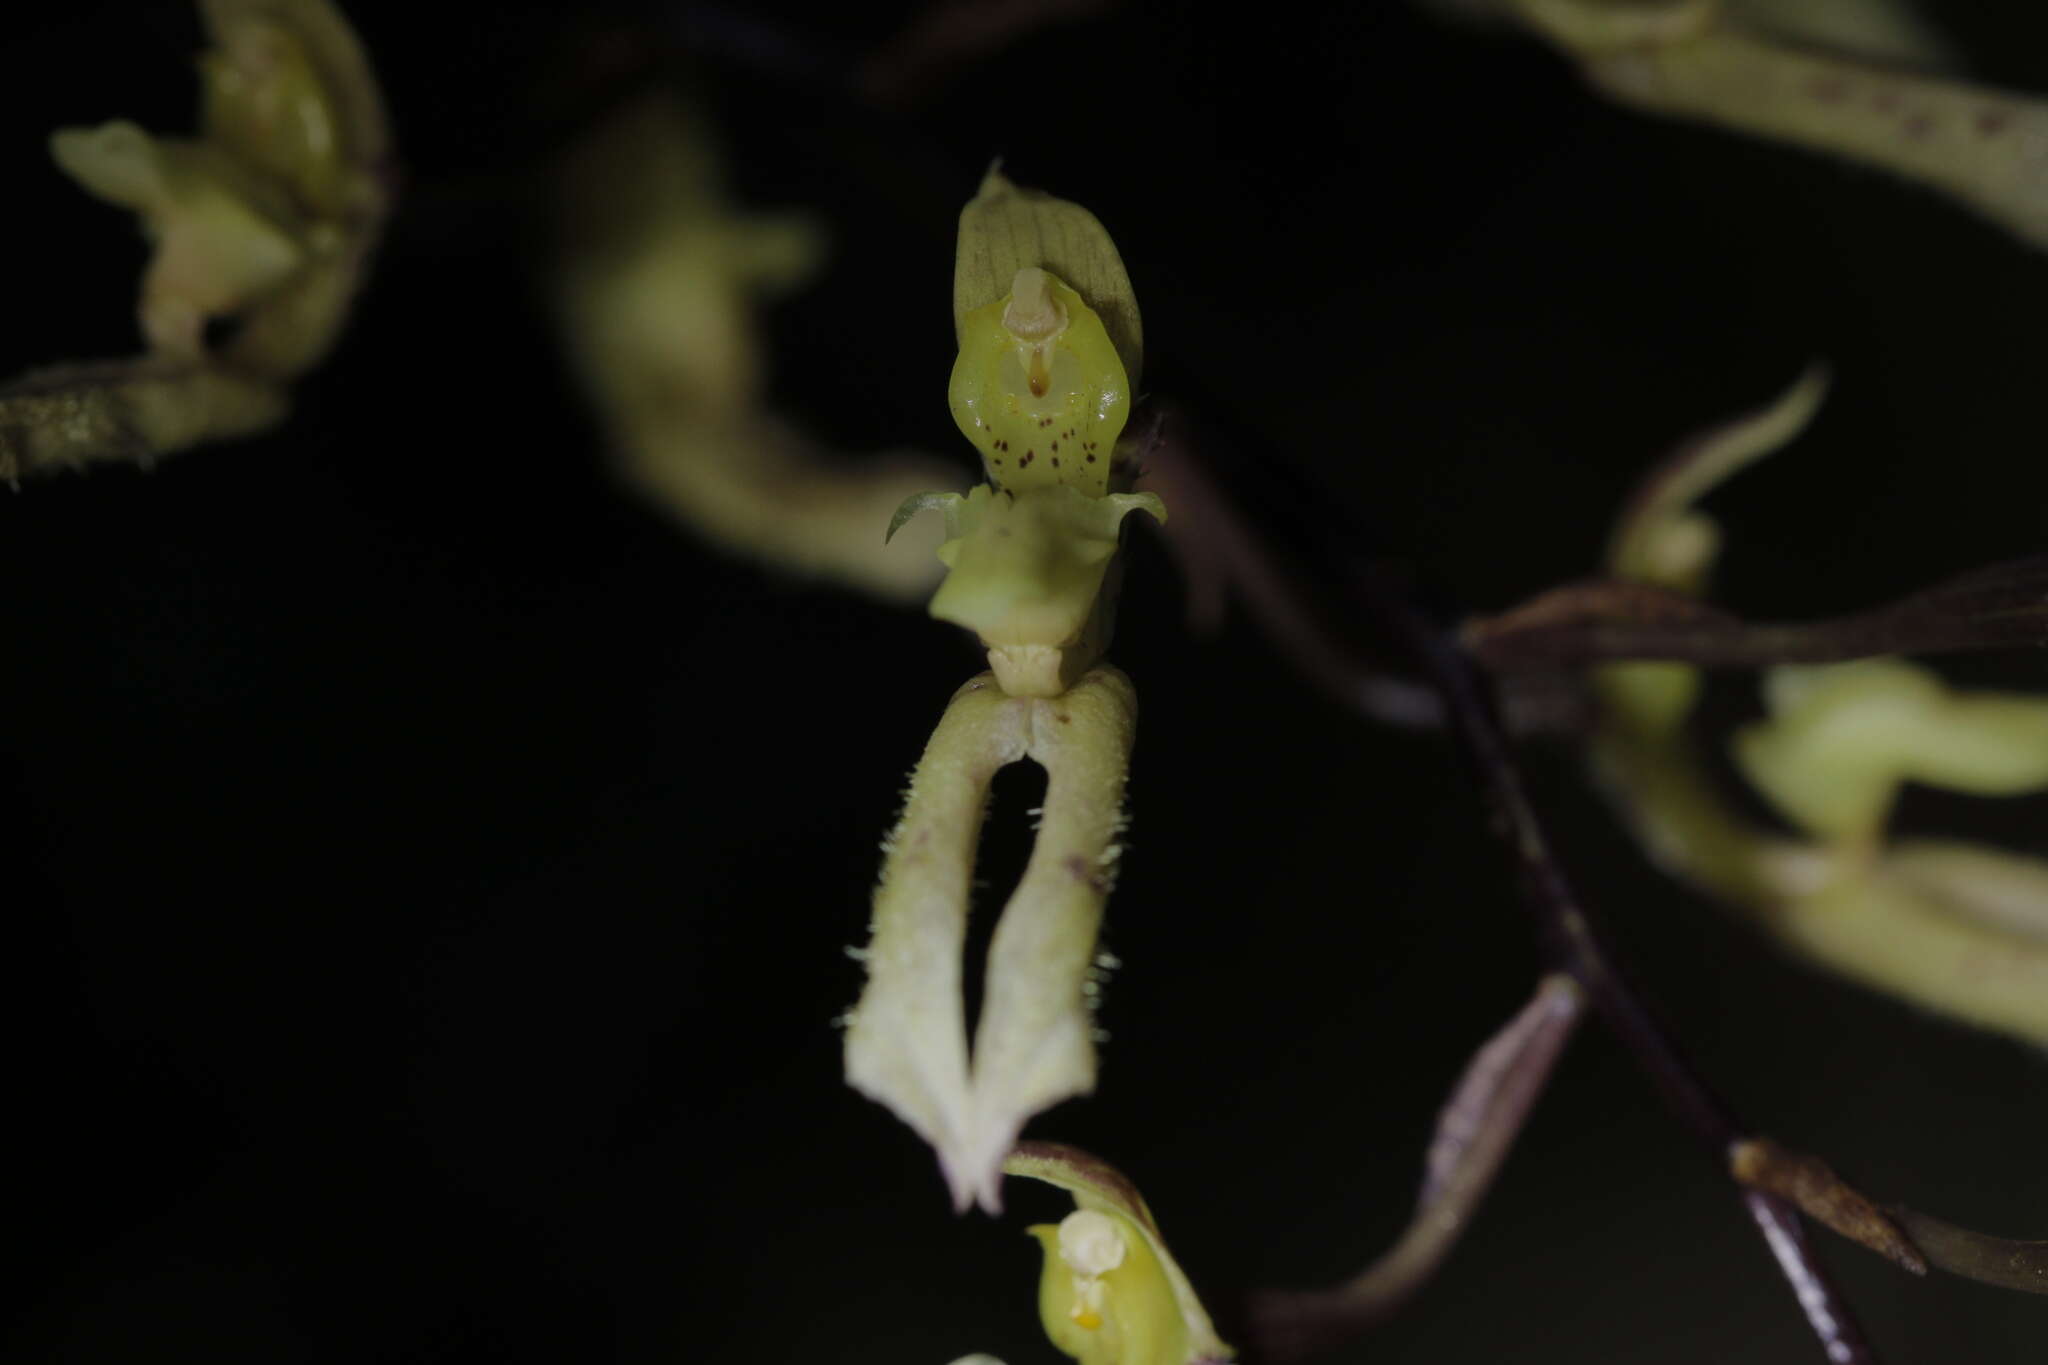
(271, 211)
(1864, 80)
(1843, 738)
(1955, 927)
(661, 286)
(267, 218)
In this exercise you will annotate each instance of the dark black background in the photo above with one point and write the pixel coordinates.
(427, 871)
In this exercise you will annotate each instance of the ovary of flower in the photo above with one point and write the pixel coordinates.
(906, 1041)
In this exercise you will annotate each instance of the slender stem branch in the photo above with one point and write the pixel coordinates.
(1818, 1298)
(1574, 943)
(1344, 588)
(2000, 1261)
(1998, 606)
(1221, 556)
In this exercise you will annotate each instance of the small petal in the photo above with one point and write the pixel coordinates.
(1659, 538)
(1842, 739)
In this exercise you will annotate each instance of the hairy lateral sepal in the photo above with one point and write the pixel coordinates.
(906, 1043)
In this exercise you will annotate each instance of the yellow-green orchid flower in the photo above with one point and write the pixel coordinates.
(1955, 927)
(1031, 569)
(1111, 1293)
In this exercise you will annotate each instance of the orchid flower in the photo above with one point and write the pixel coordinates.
(1956, 927)
(1048, 344)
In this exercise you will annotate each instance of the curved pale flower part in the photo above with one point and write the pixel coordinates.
(1111, 1293)
(1658, 537)
(1033, 574)
(288, 92)
(1764, 76)
(1951, 927)
(1035, 1042)
(1600, 26)
(661, 284)
(1641, 753)
(216, 251)
(906, 1040)
(1891, 32)
(1958, 929)
(1998, 890)
(1843, 738)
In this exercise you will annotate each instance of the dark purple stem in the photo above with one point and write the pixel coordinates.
(1577, 947)
(1818, 1298)
(1307, 609)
